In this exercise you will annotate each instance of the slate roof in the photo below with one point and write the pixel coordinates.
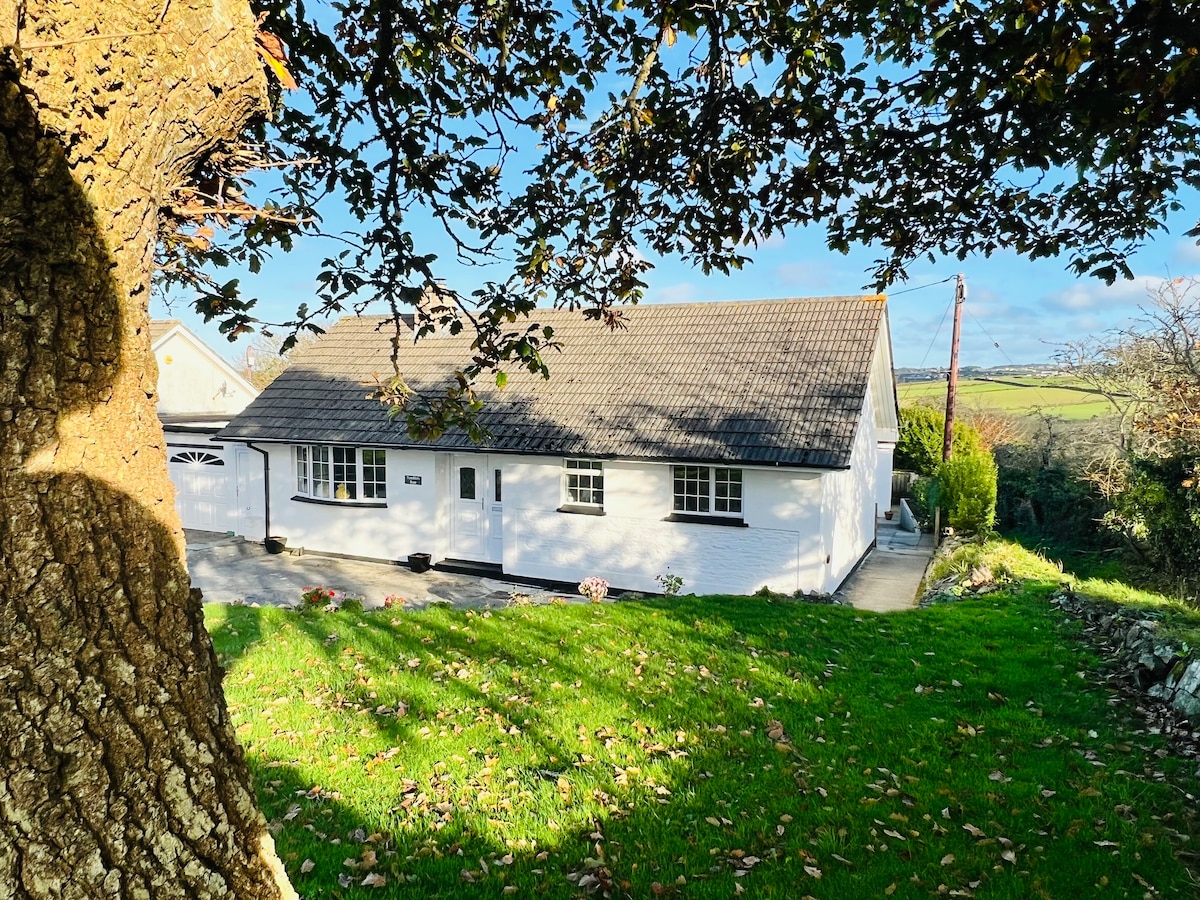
(773, 382)
(159, 327)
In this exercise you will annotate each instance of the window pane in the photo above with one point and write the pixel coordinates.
(320, 472)
(374, 474)
(497, 483)
(585, 481)
(727, 490)
(466, 483)
(345, 474)
(302, 470)
(691, 489)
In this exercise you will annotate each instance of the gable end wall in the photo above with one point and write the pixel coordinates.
(848, 503)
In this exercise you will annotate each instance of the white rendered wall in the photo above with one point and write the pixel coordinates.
(406, 525)
(883, 475)
(191, 381)
(848, 504)
(631, 544)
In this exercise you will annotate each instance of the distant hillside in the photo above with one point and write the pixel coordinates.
(1011, 392)
(1028, 370)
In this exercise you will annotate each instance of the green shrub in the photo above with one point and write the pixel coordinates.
(919, 446)
(1158, 512)
(967, 491)
(1048, 500)
(923, 497)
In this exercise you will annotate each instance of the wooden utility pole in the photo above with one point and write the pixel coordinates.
(960, 295)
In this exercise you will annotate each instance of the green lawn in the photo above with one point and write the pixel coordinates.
(1056, 396)
(701, 747)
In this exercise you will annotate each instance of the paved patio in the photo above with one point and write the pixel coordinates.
(231, 570)
(888, 579)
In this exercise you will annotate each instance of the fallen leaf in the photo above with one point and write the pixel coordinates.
(948, 859)
(307, 866)
(374, 879)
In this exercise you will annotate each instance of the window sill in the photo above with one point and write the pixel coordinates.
(727, 521)
(358, 504)
(581, 510)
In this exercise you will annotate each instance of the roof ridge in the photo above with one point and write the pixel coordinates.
(692, 304)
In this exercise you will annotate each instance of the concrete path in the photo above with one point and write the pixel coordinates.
(230, 570)
(888, 579)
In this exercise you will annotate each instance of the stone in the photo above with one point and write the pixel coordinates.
(1189, 681)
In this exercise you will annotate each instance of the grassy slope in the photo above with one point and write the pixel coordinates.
(1037, 394)
(672, 745)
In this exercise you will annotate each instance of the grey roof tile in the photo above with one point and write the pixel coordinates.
(778, 382)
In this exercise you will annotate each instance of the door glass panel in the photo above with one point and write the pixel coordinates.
(497, 483)
(466, 483)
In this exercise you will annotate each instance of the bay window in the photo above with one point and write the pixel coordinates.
(340, 473)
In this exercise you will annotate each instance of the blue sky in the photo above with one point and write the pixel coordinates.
(1027, 308)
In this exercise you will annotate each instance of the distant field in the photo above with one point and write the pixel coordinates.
(1063, 396)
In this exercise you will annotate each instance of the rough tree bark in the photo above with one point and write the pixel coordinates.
(120, 775)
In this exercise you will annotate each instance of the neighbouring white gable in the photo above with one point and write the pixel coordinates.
(883, 387)
(194, 380)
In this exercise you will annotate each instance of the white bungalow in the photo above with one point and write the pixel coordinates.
(734, 445)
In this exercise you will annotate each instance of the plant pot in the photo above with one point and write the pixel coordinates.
(888, 515)
(275, 544)
(419, 562)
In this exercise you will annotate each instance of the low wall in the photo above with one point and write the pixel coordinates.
(1160, 665)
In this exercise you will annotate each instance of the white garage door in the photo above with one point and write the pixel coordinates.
(201, 487)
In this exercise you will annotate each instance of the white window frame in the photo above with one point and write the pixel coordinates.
(375, 486)
(581, 470)
(323, 471)
(705, 485)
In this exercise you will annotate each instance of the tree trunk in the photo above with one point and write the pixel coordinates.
(120, 775)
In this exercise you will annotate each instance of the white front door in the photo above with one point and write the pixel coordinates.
(495, 509)
(251, 500)
(476, 520)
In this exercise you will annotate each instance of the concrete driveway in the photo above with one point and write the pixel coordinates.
(230, 570)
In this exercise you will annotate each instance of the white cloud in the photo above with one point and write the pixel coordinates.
(1095, 295)
(1186, 251)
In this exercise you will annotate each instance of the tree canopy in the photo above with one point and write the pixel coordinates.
(554, 143)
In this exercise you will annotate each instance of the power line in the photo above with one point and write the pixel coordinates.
(995, 343)
(1036, 387)
(939, 330)
(921, 287)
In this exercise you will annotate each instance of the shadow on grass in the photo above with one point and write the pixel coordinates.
(234, 631)
(633, 766)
